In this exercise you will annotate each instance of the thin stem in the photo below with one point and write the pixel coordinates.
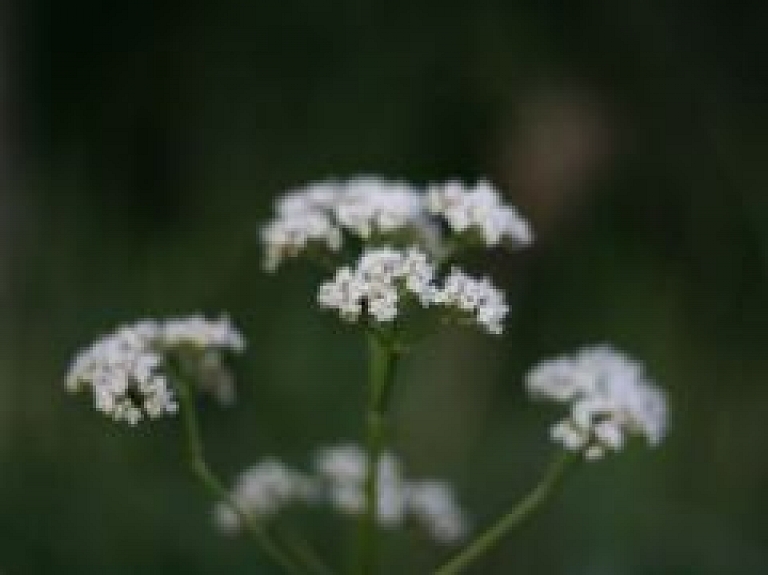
(519, 513)
(382, 362)
(215, 487)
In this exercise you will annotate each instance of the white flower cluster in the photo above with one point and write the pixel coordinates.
(478, 208)
(125, 370)
(367, 205)
(609, 397)
(339, 480)
(477, 297)
(429, 503)
(383, 277)
(303, 218)
(376, 283)
(198, 332)
(320, 213)
(342, 471)
(261, 492)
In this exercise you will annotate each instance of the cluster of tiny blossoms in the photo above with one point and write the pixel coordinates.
(384, 277)
(480, 209)
(126, 370)
(429, 503)
(338, 479)
(609, 397)
(320, 214)
(261, 491)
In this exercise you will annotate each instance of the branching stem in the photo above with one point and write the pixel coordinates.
(517, 515)
(196, 459)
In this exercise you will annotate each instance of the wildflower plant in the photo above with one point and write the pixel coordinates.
(392, 253)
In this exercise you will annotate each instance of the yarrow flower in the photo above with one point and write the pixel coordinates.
(609, 397)
(338, 479)
(320, 214)
(126, 371)
(385, 279)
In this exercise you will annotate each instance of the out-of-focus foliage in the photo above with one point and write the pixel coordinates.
(149, 142)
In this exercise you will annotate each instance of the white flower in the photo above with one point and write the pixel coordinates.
(344, 293)
(197, 331)
(338, 478)
(262, 491)
(291, 234)
(477, 297)
(368, 207)
(478, 208)
(434, 505)
(319, 197)
(384, 277)
(123, 372)
(419, 276)
(345, 463)
(342, 469)
(126, 371)
(303, 218)
(609, 398)
(317, 214)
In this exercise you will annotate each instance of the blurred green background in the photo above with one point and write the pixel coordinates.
(141, 145)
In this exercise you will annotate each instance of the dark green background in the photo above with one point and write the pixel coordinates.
(147, 141)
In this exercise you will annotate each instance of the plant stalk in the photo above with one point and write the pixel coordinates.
(383, 358)
(517, 515)
(196, 459)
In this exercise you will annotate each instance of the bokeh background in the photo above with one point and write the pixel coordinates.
(141, 145)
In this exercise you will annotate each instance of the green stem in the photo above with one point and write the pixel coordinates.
(519, 513)
(201, 470)
(382, 363)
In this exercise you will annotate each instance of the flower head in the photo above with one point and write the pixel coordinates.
(337, 479)
(127, 372)
(291, 234)
(609, 397)
(201, 333)
(478, 208)
(124, 372)
(373, 210)
(433, 504)
(479, 298)
(382, 278)
(368, 205)
(319, 213)
(261, 491)
(341, 471)
(385, 280)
